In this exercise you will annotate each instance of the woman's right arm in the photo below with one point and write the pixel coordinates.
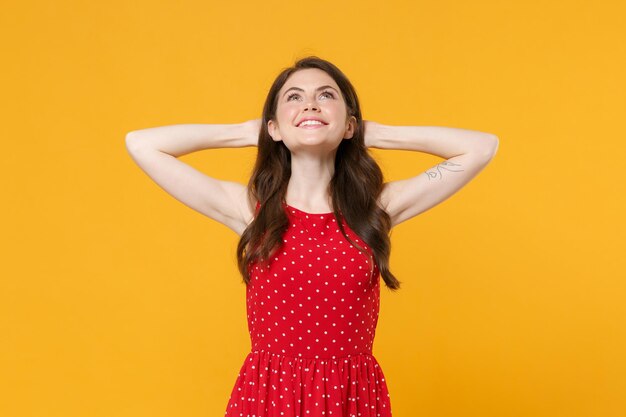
(155, 150)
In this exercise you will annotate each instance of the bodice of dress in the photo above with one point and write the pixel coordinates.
(319, 296)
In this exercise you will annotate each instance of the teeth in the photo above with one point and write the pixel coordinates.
(310, 122)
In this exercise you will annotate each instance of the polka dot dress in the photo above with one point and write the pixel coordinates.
(312, 315)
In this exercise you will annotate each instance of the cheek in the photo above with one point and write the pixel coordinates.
(338, 109)
(287, 113)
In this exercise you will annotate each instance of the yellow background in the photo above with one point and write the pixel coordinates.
(116, 300)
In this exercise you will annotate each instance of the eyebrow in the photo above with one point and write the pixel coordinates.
(317, 89)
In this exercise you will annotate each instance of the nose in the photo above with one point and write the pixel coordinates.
(311, 105)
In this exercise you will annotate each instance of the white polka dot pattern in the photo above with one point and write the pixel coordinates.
(312, 316)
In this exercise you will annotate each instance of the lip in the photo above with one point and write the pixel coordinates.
(311, 126)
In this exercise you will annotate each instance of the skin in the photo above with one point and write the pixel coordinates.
(312, 150)
(156, 151)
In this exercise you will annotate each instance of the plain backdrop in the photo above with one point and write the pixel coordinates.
(116, 300)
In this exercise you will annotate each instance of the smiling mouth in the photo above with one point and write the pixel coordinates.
(311, 125)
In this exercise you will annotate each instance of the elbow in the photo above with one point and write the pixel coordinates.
(130, 135)
(490, 147)
(496, 143)
(131, 140)
(493, 142)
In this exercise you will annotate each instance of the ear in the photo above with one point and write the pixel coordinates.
(273, 131)
(350, 128)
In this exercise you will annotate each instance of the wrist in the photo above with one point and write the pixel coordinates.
(250, 132)
(372, 133)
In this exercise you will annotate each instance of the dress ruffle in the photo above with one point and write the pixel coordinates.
(275, 385)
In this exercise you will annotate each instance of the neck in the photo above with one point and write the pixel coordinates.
(310, 178)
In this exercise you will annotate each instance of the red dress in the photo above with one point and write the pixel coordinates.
(312, 316)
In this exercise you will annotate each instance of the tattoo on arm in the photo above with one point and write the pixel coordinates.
(435, 171)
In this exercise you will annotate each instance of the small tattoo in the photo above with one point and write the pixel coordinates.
(443, 165)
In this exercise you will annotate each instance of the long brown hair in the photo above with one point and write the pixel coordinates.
(354, 188)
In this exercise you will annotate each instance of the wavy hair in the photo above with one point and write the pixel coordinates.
(354, 188)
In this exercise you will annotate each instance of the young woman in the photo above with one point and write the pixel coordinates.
(314, 222)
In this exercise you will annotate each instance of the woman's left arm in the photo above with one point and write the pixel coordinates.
(466, 152)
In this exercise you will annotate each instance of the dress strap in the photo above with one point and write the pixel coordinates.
(256, 209)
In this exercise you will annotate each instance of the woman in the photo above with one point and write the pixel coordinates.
(314, 222)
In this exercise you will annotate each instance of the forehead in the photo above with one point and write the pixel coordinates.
(309, 78)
